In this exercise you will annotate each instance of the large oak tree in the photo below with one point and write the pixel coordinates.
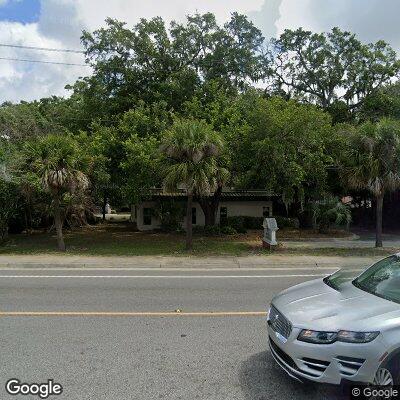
(326, 68)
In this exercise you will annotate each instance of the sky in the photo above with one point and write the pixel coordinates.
(58, 24)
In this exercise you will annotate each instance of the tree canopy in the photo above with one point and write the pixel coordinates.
(56, 165)
(192, 149)
(324, 68)
(281, 146)
(372, 162)
(281, 114)
(151, 62)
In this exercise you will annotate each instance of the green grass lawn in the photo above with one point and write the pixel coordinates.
(121, 240)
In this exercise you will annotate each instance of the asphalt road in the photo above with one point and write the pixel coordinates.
(114, 333)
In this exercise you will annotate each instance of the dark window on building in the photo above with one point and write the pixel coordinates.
(223, 215)
(194, 216)
(147, 216)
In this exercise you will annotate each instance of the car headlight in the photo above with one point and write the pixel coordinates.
(317, 337)
(356, 337)
(268, 312)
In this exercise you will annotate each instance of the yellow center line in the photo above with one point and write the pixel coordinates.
(132, 314)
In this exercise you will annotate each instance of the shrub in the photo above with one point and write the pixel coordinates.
(228, 230)
(242, 223)
(16, 224)
(253, 222)
(330, 212)
(213, 230)
(9, 205)
(286, 222)
(237, 223)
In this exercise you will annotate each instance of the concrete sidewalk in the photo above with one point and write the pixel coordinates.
(271, 261)
(362, 240)
(333, 243)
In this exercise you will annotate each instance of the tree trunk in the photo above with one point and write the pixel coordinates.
(132, 218)
(26, 220)
(379, 209)
(104, 207)
(3, 232)
(189, 225)
(30, 219)
(209, 205)
(58, 224)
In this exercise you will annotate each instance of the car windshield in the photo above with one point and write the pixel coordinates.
(337, 279)
(382, 279)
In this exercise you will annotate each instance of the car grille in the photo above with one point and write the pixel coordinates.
(279, 323)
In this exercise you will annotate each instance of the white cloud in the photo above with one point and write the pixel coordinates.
(61, 23)
(28, 81)
(60, 26)
(266, 18)
(371, 20)
(293, 15)
(94, 11)
(62, 20)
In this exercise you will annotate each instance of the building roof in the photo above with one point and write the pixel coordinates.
(225, 195)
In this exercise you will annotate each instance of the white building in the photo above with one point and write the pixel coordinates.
(251, 203)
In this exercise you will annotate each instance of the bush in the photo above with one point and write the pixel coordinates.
(16, 224)
(253, 222)
(213, 230)
(286, 222)
(237, 223)
(329, 212)
(242, 223)
(228, 230)
(9, 206)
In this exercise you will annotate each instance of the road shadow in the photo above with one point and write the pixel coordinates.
(261, 379)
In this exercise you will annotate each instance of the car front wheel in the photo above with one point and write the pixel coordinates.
(384, 377)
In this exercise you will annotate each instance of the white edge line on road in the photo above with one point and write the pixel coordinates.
(161, 276)
(158, 269)
(132, 314)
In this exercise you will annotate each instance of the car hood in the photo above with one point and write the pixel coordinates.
(315, 305)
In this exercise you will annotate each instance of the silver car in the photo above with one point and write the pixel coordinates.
(339, 329)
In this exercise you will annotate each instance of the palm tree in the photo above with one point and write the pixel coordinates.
(209, 204)
(55, 164)
(372, 162)
(192, 148)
